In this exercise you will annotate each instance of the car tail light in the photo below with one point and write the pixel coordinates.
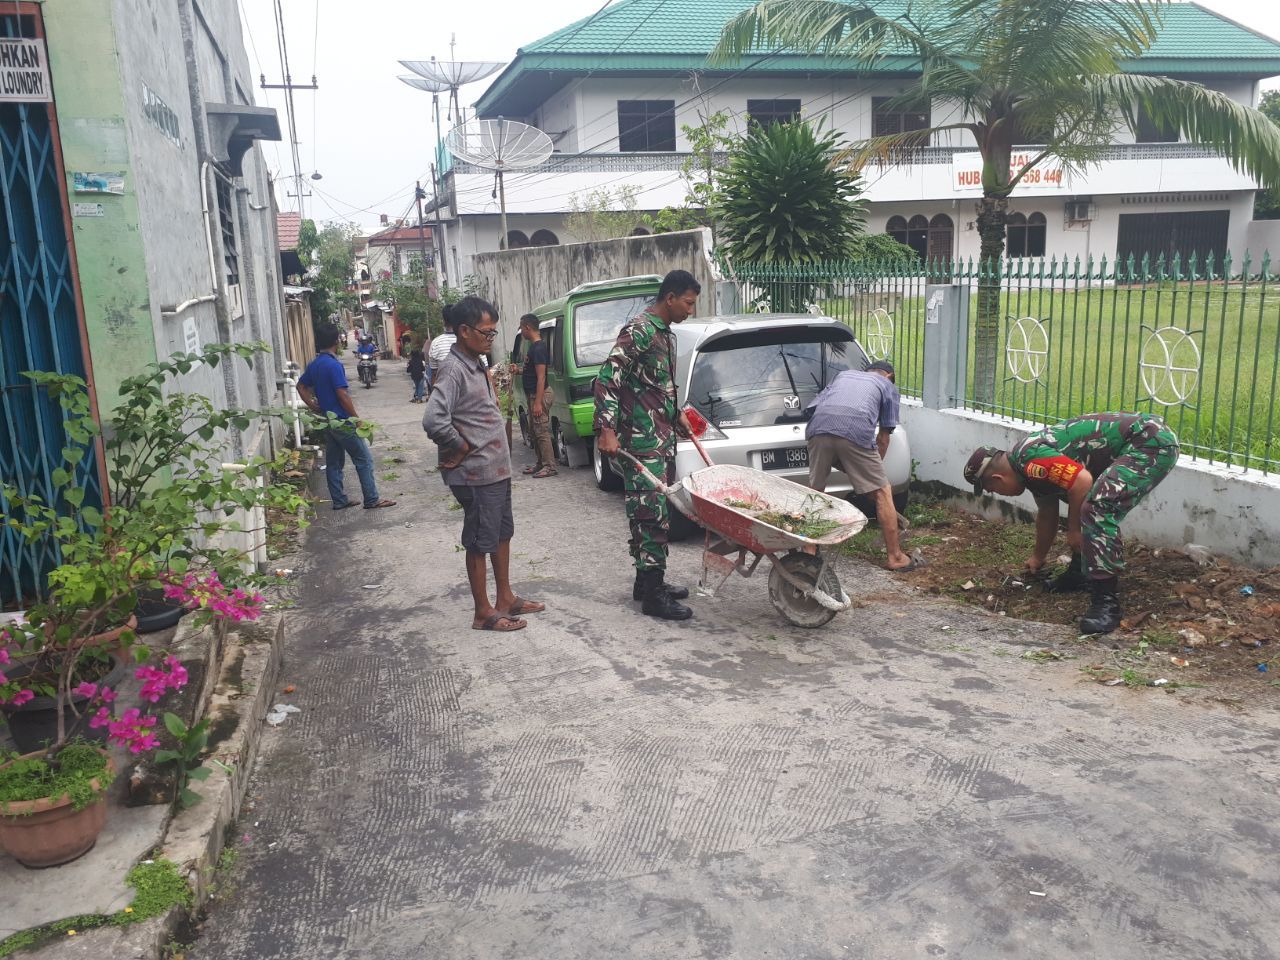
(703, 428)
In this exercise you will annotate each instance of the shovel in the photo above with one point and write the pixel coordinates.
(677, 493)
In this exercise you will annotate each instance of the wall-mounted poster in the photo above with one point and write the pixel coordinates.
(98, 182)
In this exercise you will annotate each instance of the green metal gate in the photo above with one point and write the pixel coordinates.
(40, 327)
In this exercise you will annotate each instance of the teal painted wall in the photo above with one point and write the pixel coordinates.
(88, 93)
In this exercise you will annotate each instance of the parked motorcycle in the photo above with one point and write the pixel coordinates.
(367, 369)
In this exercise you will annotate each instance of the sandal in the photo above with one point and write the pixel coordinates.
(380, 504)
(492, 623)
(343, 506)
(523, 606)
(544, 472)
(534, 468)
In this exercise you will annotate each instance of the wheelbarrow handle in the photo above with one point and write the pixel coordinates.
(657, 484)
(701, 450)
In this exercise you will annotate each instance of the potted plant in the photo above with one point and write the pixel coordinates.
(53, 800)
(172, 522)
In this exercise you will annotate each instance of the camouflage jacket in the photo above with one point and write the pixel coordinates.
(1050, 459)
(636, 390)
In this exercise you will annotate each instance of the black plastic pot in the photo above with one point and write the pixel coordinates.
(154, 612)
(35, 723)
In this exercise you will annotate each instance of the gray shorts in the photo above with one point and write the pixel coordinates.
(862, 465)
(486, 515)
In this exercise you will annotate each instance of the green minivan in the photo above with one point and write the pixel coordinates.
(580, 329)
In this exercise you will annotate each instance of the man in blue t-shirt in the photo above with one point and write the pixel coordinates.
(323, 388)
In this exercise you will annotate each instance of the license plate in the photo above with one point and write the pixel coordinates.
(789, 458)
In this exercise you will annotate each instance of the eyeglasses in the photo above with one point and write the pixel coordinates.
(489, 335)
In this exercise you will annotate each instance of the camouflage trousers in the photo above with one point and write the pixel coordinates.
(1150, 455)
(648, 512)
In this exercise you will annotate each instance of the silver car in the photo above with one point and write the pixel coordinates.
(751, 376)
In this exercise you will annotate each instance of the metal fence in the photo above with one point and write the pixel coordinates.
(1193, 339)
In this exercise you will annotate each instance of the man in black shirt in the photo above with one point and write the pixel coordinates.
(539, 395)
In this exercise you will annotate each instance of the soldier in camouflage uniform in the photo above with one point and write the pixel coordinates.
(636, 411)
(1102, 465)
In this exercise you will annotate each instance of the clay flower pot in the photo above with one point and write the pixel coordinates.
(48, 832)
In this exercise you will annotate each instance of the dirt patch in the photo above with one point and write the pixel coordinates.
(1215, 626)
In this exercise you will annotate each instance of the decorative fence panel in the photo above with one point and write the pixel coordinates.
(1194, 340)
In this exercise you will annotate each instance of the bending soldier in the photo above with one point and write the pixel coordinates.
(1102, 465)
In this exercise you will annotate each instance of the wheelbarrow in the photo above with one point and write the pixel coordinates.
(731, 503)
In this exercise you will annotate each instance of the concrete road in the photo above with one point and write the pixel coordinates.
(899, 784)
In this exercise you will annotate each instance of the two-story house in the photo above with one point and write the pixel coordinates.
(614, 91)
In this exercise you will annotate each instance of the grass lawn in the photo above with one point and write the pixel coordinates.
(1095, 342)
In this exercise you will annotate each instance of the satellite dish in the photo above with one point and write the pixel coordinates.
(454, 73)
(499, 145)
(422, 83)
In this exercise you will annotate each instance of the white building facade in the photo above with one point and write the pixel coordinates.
(614, 92)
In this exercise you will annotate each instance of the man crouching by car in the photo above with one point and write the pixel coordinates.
(842, 433)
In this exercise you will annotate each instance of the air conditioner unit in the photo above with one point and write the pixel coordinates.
(1079, 210)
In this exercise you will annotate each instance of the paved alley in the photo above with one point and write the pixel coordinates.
(899, 784)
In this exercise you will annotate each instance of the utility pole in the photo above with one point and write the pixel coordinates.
(444, 257)
(422, 234)
(288, 87)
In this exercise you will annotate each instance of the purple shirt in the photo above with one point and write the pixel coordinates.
(852, 406)
(463, 407)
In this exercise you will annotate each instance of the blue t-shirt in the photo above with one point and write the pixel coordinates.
(326, 376)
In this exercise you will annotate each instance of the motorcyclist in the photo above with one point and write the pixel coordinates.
(367, 355)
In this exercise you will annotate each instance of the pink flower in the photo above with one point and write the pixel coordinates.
(107, 694)
(21, 697)
(4, 654)
(100, 719)
(88, 690)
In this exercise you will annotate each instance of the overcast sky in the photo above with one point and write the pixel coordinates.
(367, 133)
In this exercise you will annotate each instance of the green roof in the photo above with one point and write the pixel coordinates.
(656, 37)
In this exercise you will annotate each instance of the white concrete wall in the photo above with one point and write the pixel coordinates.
(1233, 512)
(1263, 236)
(517, 281)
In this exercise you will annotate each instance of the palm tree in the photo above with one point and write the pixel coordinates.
(1044, 71)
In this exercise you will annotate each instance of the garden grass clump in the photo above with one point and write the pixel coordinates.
(72, 773)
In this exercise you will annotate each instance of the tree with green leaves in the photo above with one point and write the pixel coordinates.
(1266, 206)
(603, 214)
(1047, 70)
(782, 199)
(331, 269)
(709, 142)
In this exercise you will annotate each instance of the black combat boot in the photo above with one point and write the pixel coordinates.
(676, 593)
(1103, 614)
(657, 601)
(1071, 579)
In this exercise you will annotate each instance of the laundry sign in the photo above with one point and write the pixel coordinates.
(24, 71)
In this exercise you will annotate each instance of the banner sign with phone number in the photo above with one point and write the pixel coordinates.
(1046, 176)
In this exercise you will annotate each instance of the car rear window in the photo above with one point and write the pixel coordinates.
(596, 326)
(767, 377)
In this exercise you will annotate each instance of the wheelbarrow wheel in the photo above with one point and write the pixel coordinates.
(803, 611)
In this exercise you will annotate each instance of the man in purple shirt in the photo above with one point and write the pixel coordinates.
(464, 420)
(851, 422)
(323, 388)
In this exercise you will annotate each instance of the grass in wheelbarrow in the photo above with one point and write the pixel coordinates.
(805, 522)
